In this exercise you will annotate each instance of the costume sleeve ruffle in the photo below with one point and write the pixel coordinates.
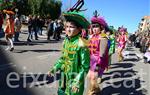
(57, 66)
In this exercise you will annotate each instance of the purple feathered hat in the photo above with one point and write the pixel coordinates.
(122, 29)
(99, 20)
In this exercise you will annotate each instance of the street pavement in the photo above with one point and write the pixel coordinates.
(24, 70)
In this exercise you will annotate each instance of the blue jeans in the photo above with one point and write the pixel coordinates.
(16, 36)
(2, 34)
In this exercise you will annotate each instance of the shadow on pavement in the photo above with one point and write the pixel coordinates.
(35, 42)
(39, 51)
(122, 65)
(20, 43)
(121, 80)
(4, 72)
(124, 87)
(133, 59)
(129, 49)
(12, 82)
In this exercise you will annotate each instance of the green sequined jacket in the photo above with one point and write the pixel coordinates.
(74, 65)
(112, 45)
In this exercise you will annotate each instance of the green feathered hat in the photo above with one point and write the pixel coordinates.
(78, 18)
(111, 29)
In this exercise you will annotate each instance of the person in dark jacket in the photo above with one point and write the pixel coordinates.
(49, 29)
(30, 28)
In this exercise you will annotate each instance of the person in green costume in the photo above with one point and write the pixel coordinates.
(111, 43)
(75, 60)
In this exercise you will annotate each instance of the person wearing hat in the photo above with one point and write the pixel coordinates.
(75, 60)
(111, 42)
(98, 53)
(9, 29)
(122, 39)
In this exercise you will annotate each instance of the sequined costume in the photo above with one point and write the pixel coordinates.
(122, 39)
(98, 57)
(74, 64)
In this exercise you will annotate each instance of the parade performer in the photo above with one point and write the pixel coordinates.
(75, 60)
(111, 43)
(122, 39)
(98, 45)
(9, 29)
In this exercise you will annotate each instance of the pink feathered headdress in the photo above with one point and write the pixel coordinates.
(99, 20)
(122, 29)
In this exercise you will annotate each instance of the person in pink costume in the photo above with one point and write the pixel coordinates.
(122, 39)
(98, 53)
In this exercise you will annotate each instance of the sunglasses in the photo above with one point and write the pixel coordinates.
(95, 25)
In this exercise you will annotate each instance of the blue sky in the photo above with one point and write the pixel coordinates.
(116, 12)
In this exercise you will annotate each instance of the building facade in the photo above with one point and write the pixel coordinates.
(144, 25)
